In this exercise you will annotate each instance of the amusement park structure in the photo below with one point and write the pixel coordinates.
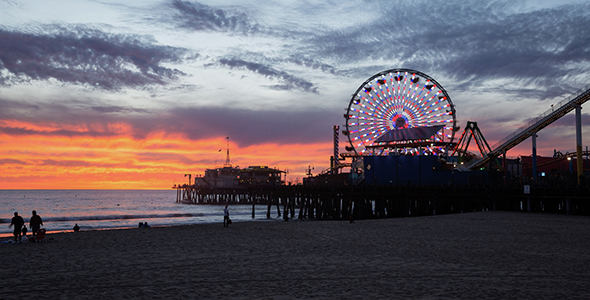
(400, 111)
(400, 125)
(405, 112)
(404, 161)
(530, 129)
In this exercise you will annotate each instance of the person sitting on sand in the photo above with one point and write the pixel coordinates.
(145, 225)
(76, 228)
(17, 222)
(35, 223)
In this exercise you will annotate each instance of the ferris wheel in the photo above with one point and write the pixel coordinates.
(400, 110)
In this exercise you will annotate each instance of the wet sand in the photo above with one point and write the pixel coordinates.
(482, 255)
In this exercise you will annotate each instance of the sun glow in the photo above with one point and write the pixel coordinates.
(42, 157)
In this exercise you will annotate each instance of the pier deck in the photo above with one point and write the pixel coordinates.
(364, 202)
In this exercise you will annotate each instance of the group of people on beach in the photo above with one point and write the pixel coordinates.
(35, 222)
(20, 229)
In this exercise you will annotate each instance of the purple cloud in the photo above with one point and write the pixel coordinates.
(85, 56)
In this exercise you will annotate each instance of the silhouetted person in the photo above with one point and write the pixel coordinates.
(35, 223)
(225, 216)
(17, 222)
(76, 228)
(24, 230)
(145, 225)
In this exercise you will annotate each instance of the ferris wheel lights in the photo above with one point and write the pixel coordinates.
(374, 109)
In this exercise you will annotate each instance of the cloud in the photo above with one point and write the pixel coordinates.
(86, 56)
(246, 127)
(201, 17)
(12, 162)
(289, 82)
(168, 157)
(541, 49)
(22, 132)
(252, 127)
(569, 120)
(117, 109)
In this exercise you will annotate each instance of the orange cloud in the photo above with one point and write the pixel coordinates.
(37, 160)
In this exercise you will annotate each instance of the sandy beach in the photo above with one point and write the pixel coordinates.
(482, 255)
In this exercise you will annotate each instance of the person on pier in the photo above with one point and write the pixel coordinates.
(225, 217)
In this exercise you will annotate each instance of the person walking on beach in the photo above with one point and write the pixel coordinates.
(35, 223)
(17, 222)
(225, 217)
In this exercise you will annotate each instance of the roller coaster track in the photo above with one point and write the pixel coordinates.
(535, 125)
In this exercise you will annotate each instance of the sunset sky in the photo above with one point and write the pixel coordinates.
(135, 94)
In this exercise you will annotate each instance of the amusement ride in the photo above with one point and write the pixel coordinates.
(406, 112)
(400, 111)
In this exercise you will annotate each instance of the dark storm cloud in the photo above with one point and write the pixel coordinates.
(86, 56)
(289, 82)
(201, 17)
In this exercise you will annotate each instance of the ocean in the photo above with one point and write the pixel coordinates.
(112, 209)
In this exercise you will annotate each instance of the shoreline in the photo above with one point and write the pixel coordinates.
(479, 255)
(4, 236)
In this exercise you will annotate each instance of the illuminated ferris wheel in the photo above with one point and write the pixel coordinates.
(402, 111)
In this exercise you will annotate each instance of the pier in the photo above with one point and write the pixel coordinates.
(389, 201)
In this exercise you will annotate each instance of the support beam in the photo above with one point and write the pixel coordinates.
(336, 129)
(579, 141)
(534, 136)
(504, 165)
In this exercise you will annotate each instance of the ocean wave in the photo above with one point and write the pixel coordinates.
(114, 217)
(122, 217)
